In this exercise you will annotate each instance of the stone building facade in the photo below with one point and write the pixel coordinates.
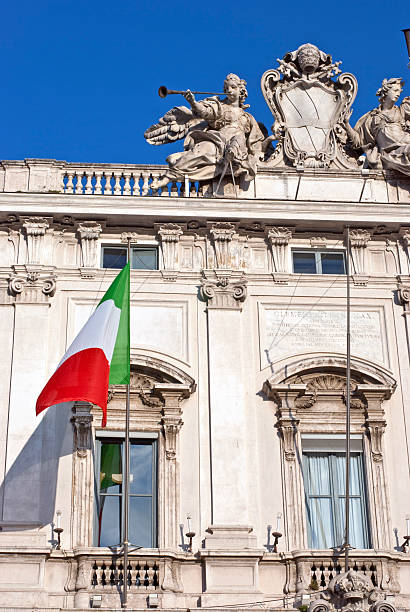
(238, 387)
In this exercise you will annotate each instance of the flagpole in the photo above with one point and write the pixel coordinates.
(346, 544)
(125, 489)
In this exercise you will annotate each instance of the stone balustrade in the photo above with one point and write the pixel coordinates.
(135, 180)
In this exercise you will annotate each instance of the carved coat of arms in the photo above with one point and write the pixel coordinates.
(309, 107)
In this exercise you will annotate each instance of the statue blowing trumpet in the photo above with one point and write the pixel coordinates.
(163, 92)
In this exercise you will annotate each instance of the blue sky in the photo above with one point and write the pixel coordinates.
(80, 79)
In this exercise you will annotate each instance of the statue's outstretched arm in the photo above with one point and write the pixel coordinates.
(198, 108)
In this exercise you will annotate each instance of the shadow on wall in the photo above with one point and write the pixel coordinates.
(28, 493)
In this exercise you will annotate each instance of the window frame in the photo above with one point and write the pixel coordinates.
(142, 246)
(318, 259)
(135, 437)
(332, 448)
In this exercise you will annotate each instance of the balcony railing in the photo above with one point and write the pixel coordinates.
(135, 180)
(141, 574)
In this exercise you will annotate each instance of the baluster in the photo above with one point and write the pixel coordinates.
(129, 577)
(113, 577)
(155, 579)
(70, 182)
(127, 184)
(174, 190)
(165, 192)
(108, 187)
(117, 185)
(64, 180)
(145, 184)
(120, 574)
(313, 582)
(330, 569)
(98, 188)
(363, 569)
(103, 575)
(138, 575)
(355, 567)
(89, 183)
(94, 577)
(193, 192)
(79, 185)
(338, 568)
(146, 577)
(373, 575)
(322, 575)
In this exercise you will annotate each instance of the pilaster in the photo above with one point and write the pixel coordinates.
(83, 476)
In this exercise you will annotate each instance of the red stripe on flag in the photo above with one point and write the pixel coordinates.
(83, 376)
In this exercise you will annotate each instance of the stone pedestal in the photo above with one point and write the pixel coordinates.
(231, 562)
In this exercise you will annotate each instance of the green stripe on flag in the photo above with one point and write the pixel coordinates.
(119, 292)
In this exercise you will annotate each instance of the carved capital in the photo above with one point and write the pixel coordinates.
(224, 293)
(81, 420)
(404, 294)
(359, 237)
(170, 234)
(89, 232)
(35, 229)
(278, 235)
(373, 396)
(222, 234)
(28, 285)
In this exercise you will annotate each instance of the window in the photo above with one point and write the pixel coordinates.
(143, 477)
(324, 481)
(318, 262)
(142, 257)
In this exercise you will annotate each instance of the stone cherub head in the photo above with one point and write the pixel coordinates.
(239, 83)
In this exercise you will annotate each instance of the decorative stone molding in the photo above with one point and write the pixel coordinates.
(171, 396)
(89, 232)
(225, 291)
(318, 242)
(35, 229)
(222, 234)
(31, 285)
(404, 234)
(285, 396)
(170, 234)
(351, 592)
(278, 238)
(82, 583)
(359, 239)
(404, 293)
(82, 475)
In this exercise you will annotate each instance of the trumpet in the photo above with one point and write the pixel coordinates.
(163, 92)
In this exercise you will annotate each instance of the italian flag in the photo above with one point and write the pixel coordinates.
(98, 355)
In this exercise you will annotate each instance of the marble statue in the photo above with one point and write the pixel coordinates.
(218, 133)
(384, 132)
(309, 107)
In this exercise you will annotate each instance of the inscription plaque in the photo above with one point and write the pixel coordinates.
(292, 332)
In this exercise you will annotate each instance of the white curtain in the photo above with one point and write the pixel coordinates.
(324, 480)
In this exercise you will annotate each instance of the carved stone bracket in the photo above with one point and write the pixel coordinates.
(89, 232)
(170, 234)
(404, 234)
(222, 235)
(32, 284)
(225, 291)
(35, 229)
(373, 397)
(83, 475)
(404, 294)
(82, 420)
(278, 238)
(286, 397)
(359, 239)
